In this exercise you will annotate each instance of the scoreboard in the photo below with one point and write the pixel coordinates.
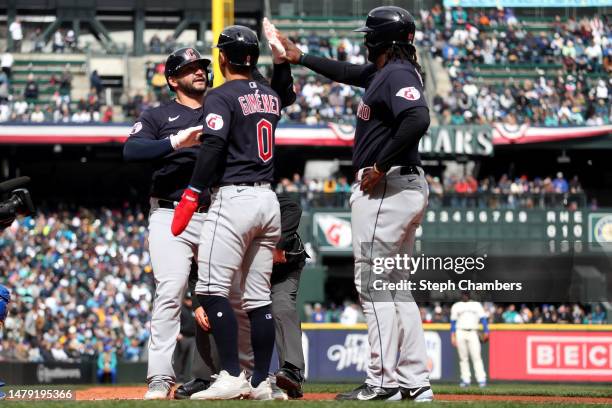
(506, 224)
(560, 230)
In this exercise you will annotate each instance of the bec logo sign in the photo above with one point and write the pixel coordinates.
(571, 355)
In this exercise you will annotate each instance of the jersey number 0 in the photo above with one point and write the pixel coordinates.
(264, 140)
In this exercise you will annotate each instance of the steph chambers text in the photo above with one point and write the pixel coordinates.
(465, 284)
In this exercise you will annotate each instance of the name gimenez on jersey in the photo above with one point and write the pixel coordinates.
(259, 103)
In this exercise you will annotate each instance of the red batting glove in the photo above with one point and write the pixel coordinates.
(184, 211)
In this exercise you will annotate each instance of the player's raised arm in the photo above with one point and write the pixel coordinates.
(282, 81)
(344, 72)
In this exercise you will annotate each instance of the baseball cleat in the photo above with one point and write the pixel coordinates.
(348, 395)
(263, 392)
(189, 388)
(277, 393)
(417, 394)
(157, 390)
(290, 381)
(464, 384)
(367, 392)
(482, 384)
(225, 387)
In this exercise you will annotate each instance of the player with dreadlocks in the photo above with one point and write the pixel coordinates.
(389, 196)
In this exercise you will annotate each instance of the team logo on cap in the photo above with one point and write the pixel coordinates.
(190, 53)
(214, 121)
(409, 93)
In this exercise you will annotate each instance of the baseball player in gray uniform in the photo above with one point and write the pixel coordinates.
(289, 260)
(388, 199)
(167, 136)
(235, 160)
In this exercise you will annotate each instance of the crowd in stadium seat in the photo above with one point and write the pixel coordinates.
(454, 191)
(83, 286)
(568, 94)
(554, 75)
(350, 313)
(347, 313)
(82, 283)
(61, 108)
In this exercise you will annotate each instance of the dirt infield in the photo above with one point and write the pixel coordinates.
(136, 393)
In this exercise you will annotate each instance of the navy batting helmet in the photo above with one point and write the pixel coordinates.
(240, 45)
(387, 26)
(182, 57)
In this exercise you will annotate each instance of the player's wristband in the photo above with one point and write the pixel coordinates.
(377, 170)
(174, 141)
(302, 56)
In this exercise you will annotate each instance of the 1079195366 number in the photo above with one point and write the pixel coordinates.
(40, 394)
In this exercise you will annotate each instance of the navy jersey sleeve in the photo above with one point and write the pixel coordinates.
(144, 127)
(404, 90)
(217, 116)
(282, 83)
(340, 71)
(143, 143)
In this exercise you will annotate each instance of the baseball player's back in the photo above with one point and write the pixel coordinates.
(243, 224)
(244, 113)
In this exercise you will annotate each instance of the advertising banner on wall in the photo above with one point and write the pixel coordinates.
(584, 356)
(342, 355)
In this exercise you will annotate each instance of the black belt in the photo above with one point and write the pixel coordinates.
(403, 170)
(406, 170)
(170, 205)
(250, 184)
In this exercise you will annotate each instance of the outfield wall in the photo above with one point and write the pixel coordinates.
(519, 352)
(339, 353)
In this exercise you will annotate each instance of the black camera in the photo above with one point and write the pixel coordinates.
(19, 201)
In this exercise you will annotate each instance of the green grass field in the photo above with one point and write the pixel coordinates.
(537, 390)
(308, 404)
(560, 390)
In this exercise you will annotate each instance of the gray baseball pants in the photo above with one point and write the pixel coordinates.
(384, 224)
(171, 258)
(288, 331)
(239, 234)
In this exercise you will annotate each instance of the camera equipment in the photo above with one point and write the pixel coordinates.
(19, 202)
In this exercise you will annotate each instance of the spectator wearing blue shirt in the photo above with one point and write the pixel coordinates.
(598, 316)
(107, 364)
(132, 351)
(560, 184)
(318, 314)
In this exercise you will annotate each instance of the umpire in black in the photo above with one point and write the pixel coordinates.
(289, 260)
